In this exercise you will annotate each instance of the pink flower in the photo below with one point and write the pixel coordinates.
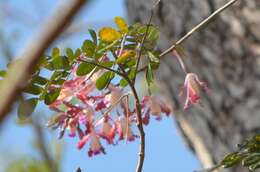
(154, 106)
(193, 87)
(72, 126)
(95, 145)
(87, 115)
(124, 129)
(108, 129)
(100, 105)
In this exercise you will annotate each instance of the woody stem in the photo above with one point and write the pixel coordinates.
(140, 128)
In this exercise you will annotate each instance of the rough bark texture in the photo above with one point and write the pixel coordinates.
(225, 54)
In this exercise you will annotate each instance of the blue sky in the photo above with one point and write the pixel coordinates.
(165, 150)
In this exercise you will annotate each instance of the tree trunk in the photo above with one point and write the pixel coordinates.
(226, 55)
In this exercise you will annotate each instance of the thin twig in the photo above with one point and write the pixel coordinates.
(142, 43)
(198, 27)
(139, 124)
(52, 28)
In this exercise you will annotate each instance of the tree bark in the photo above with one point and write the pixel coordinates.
(226, 55)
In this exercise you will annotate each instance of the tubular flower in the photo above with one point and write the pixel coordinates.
(95, 145)
(193, 86)
(152, 105)
(72, 126)
(108, 129)
(124, 129)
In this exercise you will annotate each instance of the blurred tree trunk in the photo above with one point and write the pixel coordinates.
(225, 54)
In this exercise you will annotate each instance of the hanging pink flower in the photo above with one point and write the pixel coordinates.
(95, 145)
(108, 129)
(193, 86)
(154, 106)
(72, 127)
(124, 129)
(87, 115)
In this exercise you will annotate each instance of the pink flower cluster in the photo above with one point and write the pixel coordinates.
(98, 116)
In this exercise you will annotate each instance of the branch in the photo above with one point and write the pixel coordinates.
(14, 81)
(139, 124)
(198, 27)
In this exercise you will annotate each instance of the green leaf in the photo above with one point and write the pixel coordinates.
(123, 83)
(154, 60)
(58, 75)
(55, 52)
(39, 80)
(254, 166)
(231, 159)
(43, 61)
(26, 108)
(153, 34)
(33, 89)
(84, 68)
(70, 54)
(151, 38)
(133, 30)
(88, 48)
(60, 62)
(251, 160)
(98, 55)
(149, 74)
(130, 63)
(104, 80)
(49, 66)
(131, 75)
(51, 96)
(93, 35)
(77, 53)
(108, 64)
(58, 82)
